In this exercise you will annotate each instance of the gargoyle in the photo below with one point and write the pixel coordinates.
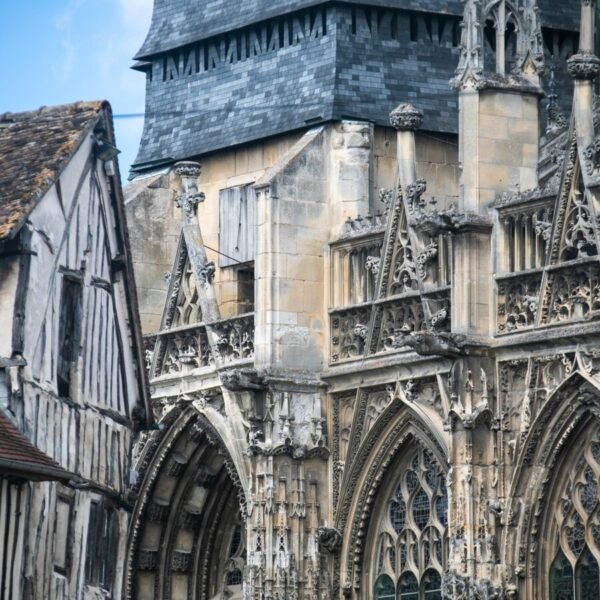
(241, 380)
(429, 343)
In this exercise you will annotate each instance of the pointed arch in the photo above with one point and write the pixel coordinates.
(188, 508)
(373, 472)
(555, 444)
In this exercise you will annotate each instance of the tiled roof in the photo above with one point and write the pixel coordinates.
(34, 148)
(176, 23)
(19, 456)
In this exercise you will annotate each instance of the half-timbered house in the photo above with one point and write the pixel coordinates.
(72, 385)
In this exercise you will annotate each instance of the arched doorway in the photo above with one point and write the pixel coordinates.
(187, 539)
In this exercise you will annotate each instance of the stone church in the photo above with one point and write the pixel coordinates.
(366, 242)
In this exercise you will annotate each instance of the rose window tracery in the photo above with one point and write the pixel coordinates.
(410, 550)
(575, 571)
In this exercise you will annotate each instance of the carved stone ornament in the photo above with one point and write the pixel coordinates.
(372, 264)
(188, 169)
(424, 257)
(584, 65)
(456, 586)
(362, 225)
(428, 343)
(406, 117)
(240, 380)
(330, 539)
(207, 273)
(189, 196)
(591, 158)
(529, 46)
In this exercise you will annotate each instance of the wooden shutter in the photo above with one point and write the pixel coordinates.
(237, 226)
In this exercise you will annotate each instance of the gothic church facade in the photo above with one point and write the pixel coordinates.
(375, 364)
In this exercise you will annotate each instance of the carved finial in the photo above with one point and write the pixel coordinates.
(406, 117)
(189, 196)
(583, 65)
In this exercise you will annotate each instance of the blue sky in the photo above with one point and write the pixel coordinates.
(57, 51)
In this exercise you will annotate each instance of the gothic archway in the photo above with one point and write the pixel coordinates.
(407, 536)
(551, 535)
(187, 539)
(383, 460)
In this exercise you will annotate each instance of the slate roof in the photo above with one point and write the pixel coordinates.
(35, 147)
(18, 456)
(176, 23)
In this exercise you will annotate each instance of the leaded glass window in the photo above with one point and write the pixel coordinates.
(385, 588)
(575, 572)
(411, 533)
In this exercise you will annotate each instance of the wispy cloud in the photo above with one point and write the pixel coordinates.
(63, 67)
(136, 14)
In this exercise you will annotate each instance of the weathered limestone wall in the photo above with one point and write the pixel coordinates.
(499, 140)
(155, 222)
(292, 234)
(360, 162)
(437, 163)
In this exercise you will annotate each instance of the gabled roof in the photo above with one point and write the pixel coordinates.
(35, 147)
(19, 457)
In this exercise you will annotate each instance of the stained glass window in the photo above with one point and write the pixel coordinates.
(574, 573)
(234, 577)
(385, 588)
(432, 585)
(408, 587)
(561, 579)
(411, 549)
(587, 576)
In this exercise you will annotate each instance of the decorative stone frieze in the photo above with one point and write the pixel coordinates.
(234, 338)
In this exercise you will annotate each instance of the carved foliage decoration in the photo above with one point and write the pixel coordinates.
(349, 332)
(572, 235)
(184, 351)
(397, 271)
(518, 302)
(403, 270)
(235, 338)
(572, 294)
(399, 316)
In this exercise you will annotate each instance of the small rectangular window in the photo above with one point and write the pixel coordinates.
(68, 333)
(62, 534)
(245, 285)
(102, 543)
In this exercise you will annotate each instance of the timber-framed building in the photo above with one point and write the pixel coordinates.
(376, 369)
(73, 392)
